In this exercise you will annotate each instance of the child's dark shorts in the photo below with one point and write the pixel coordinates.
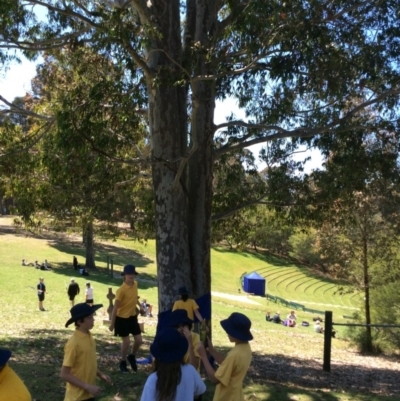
(89, 301)
(126, 326)
(41, 297)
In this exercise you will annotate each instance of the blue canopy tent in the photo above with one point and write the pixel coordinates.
(254, 284)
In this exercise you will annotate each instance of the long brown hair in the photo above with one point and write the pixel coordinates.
(169, 375)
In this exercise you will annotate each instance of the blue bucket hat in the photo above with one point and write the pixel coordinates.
(5, 355)
(238, 326)
(183, 290)
(129, 269)
(80, 311)
(169, 345)
(178, 317)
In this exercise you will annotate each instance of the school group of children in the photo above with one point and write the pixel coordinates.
(176, 349)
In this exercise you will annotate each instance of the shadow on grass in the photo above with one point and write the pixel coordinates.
(37, 359)
(38, 356)
(101, 275)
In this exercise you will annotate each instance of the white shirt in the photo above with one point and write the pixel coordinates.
(191, 385)
(89, 293)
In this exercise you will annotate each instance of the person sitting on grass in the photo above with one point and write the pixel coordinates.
(172, 380)
(11, 386)
(147, 308)
(268, 317)
(318, 328)
(232, 368)
(24, 263)
(180, 321)
(276, 318)
(79, 368)
(290, 319)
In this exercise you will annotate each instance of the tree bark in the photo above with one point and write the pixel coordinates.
(168, 128)
(89, 243)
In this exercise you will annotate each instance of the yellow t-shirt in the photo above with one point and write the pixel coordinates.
(195, 341)
(12, 388)
(231, 374)
(80, 356)
(128, 297)
(189, 305)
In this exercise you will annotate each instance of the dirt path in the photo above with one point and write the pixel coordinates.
(240, 298)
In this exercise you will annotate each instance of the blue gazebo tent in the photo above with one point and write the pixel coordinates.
(254, 284)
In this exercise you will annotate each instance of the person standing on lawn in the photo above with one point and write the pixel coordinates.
(41, 290)
(79, 368)
(181, 322)
(73, 291)
(233, 368)
(124, 320)
(188, 304)
(172, 379)
(12, 388)
(89, 294)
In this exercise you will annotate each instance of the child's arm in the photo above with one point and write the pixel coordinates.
(70, 378)
(114, 315)
(104, 377)
(198, 315)
(200, 318)
(219, 358)
(206, 363)
(193, 359)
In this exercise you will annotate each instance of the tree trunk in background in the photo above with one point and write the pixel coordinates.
(183, 204)
(368, 344)
(89, 243)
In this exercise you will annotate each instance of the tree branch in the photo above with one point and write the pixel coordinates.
(282, 133)
(33, 143)
(20, 111)
(258, 201)
(68, 13)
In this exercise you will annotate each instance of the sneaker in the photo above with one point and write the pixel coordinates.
(122, 367)
(132, 360)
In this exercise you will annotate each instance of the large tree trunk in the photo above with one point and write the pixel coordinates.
(366, 291)
(183, 207)
(89, 243)
(168, 127)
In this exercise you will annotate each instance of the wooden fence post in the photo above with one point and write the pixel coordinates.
(327, 341)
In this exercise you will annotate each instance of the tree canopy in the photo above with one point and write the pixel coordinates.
(302, 71)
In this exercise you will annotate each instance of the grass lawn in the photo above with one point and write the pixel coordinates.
(287, 363)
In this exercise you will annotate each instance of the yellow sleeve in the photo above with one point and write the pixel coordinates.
(69, 354)
(119, 294)
(224, 372)
(194, 305)
(175, 307)
(195, 341)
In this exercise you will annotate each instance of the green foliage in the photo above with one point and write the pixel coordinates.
(303, 247)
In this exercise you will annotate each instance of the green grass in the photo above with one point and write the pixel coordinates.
(285, 366)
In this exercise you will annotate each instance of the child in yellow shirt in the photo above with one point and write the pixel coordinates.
(124, 319)
(12, 388)
(180, 321)
(79, 368)
(233, 368)
(188, 304)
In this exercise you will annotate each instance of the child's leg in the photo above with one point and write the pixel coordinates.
(138, 341)
(124, 347)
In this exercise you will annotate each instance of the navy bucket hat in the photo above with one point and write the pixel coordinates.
(183, 291)
(238, 326)
(129, 269)
(5, 355)
(178, 317)
(80, 311)
(169, 345)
